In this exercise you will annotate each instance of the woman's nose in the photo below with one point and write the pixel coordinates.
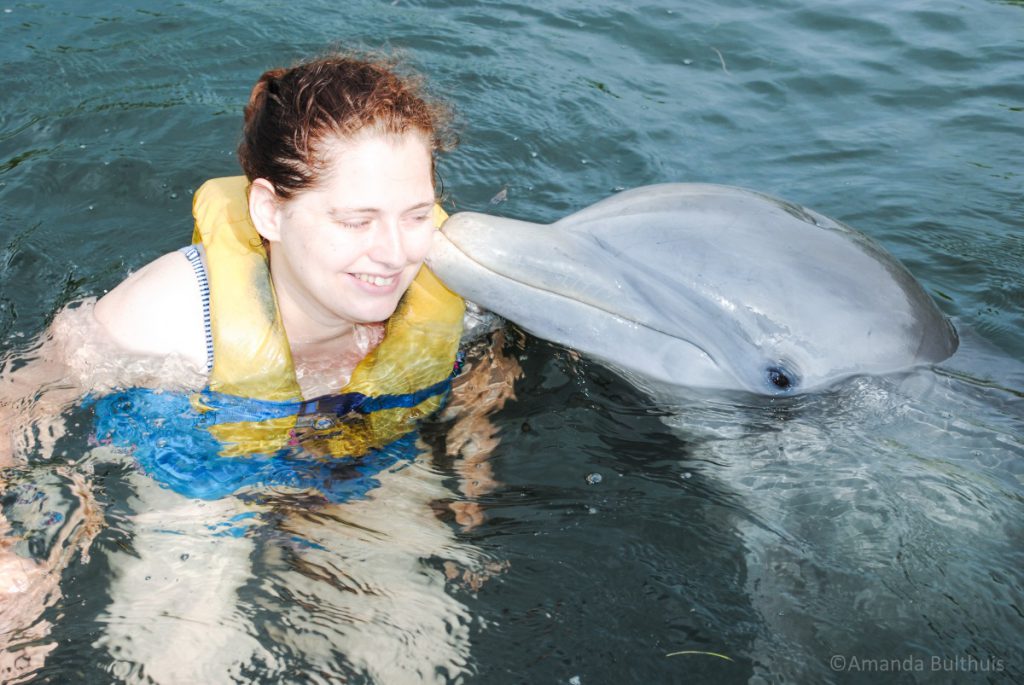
(387, 247)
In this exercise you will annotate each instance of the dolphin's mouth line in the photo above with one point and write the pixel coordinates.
(588, 305)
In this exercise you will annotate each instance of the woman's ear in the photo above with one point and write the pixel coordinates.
(265, 209)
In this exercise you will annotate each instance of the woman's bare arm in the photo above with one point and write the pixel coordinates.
(36, 386)
(148, 331)
(156, 312)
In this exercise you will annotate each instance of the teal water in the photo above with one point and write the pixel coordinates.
(879, 521)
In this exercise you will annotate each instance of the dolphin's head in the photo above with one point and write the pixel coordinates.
(701, 285)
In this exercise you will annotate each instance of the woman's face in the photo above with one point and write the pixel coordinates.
(348, 248)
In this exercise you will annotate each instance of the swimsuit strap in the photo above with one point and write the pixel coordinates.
(194, 254)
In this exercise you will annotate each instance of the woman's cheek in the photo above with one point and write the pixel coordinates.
(419, 244)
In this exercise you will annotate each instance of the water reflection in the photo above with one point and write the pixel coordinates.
(214, 562)
(231, 588)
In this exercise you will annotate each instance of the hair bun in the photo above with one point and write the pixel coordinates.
(258, 96)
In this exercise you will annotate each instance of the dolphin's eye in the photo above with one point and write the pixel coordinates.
(780, 378)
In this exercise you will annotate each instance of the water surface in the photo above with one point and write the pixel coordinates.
(802, 538)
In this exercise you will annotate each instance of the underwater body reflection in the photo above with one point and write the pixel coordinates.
(223, 562)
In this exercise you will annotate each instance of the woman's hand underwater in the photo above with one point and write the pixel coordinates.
(482, 389)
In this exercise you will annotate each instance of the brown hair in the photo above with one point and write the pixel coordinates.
(291, 112)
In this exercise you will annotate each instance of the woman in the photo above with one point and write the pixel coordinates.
(339, 156)
(306, 298)
(335, 217)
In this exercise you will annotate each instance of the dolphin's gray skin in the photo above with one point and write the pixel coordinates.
(703, 286)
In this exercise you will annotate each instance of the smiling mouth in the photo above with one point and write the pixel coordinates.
(379, 281)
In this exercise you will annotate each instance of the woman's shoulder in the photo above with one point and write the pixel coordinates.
(157, 310)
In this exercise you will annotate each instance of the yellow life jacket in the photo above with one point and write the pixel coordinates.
(403, 379)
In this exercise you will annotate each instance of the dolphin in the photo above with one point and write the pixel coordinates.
(700, 285)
